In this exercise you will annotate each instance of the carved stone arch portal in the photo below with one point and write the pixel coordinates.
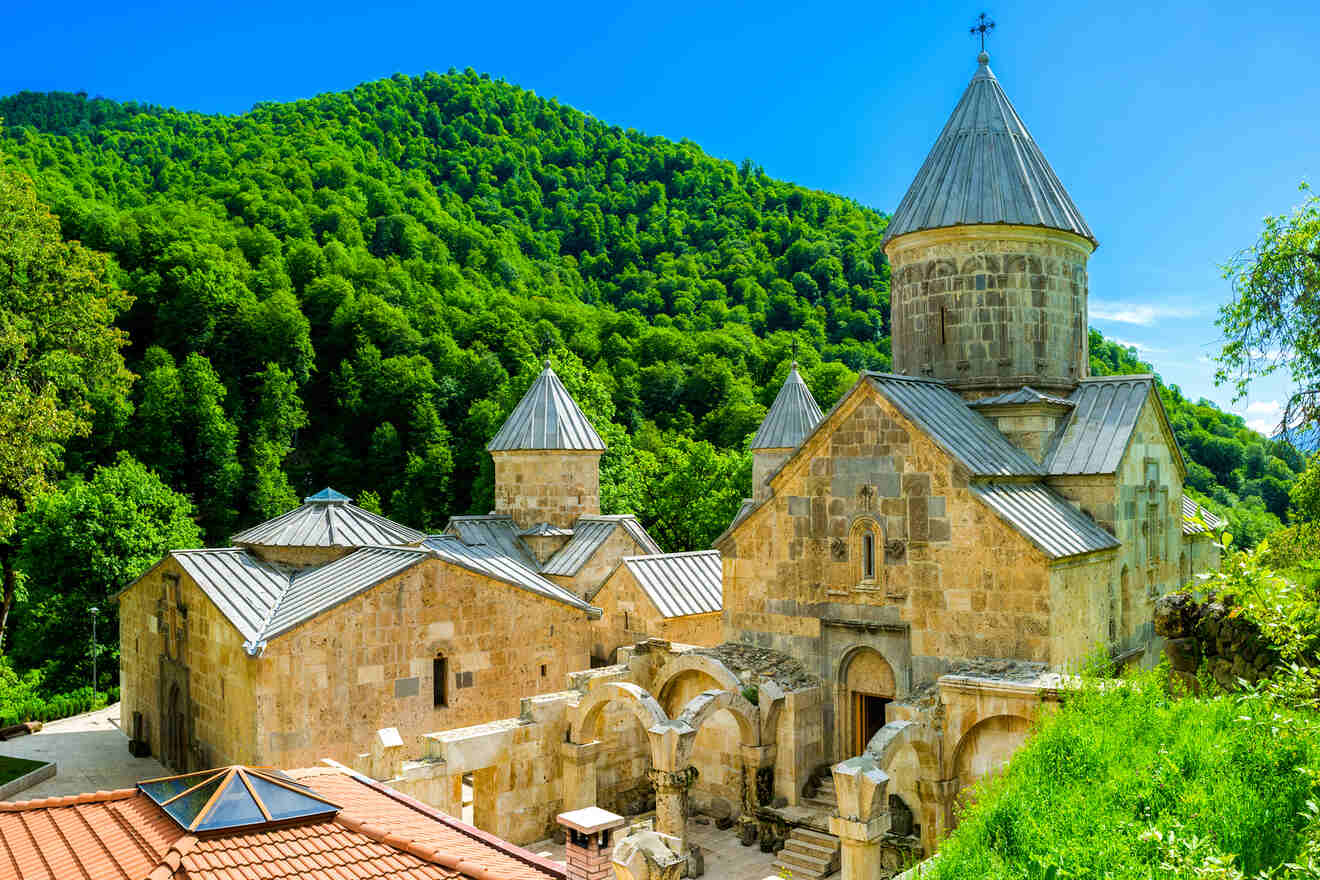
(865, 685)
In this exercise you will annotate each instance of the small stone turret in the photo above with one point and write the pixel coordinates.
(988, 256)
(547, 459)
(792, 416)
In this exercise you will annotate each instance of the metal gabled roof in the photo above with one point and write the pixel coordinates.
(1045, 518)
(964, 433)
(490, 561)
(1190, 511)
(1025, 394)
(545, 530)
(589, 533)
(985, 168)
(244, 589)
(679, 584)
(327, 519)
(792, 416)
(497, 531)
(547, 418)
(319, 589)
(1105, 413)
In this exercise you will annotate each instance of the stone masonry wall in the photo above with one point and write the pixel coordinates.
(989, 307)
(953, 574)
(221, 675)
(327, 686)
(628, 617)
(550, 486)
(1148, 522)
(1208, 632)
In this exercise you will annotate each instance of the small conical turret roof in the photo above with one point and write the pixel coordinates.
(792, 416)
(547, 418)
(985, 168)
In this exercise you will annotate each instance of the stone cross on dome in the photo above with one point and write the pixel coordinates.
(982, 26)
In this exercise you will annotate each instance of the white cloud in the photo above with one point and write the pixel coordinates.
(1139, 346)
(1263, 426)
(1265, 407)
(1137, 313)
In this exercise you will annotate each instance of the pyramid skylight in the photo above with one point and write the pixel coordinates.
(235, 797)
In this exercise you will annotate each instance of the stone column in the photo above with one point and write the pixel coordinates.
(587, 851)
(671, 801)
(863, 816)
(578, 769)
(755, 759)
(937, 801)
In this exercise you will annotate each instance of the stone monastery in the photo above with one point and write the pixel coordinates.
(914, 572)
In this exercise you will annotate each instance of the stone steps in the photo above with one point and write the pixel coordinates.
(809, 855)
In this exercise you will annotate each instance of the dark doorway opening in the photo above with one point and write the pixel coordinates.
(868, 718)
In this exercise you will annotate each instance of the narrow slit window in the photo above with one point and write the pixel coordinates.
(868, 556)
(440, 670)
(943, 321)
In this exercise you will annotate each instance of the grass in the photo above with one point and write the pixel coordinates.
(1121, 777)
(12, 768)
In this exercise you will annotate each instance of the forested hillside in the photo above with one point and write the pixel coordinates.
(353, 290)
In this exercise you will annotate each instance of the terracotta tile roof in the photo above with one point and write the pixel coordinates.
(378, 834)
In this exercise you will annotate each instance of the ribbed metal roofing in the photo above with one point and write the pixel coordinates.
(547, 418)
(496, 531)
(319, 589)
(490, 561)
(544, 530)
(792, 416)
(589, 533)
(1190, 526)
(324, 521)
(328, 496)
(964, 433)
(1045, 517)
(681, 583)
(245, 589)
(1104, 415)
(1025, 394)
(986, 168)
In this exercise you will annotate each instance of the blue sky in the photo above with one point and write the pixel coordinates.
(1175, 129)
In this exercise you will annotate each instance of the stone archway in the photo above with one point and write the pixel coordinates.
(865, 686)
(714, 750)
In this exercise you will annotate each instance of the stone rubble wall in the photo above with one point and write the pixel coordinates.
(1212, 633)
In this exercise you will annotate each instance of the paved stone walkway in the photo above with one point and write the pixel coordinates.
(90, 754)
(726, 858)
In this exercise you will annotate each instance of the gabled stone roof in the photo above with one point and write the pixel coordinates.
(792, 416)
(985, 168)
(547, 418)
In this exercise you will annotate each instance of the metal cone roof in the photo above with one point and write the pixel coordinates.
(792, 416)
(985, 168)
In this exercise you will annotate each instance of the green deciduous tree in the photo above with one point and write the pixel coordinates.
(1273, 320)
(59, 355)
(79, 546)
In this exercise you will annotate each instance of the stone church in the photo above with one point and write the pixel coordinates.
(897, 600)
(327, 623)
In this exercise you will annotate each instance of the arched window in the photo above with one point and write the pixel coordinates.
(867, 543)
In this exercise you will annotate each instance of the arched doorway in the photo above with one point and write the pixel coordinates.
(867, 687)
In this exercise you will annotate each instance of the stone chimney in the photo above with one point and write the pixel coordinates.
(589, 847)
